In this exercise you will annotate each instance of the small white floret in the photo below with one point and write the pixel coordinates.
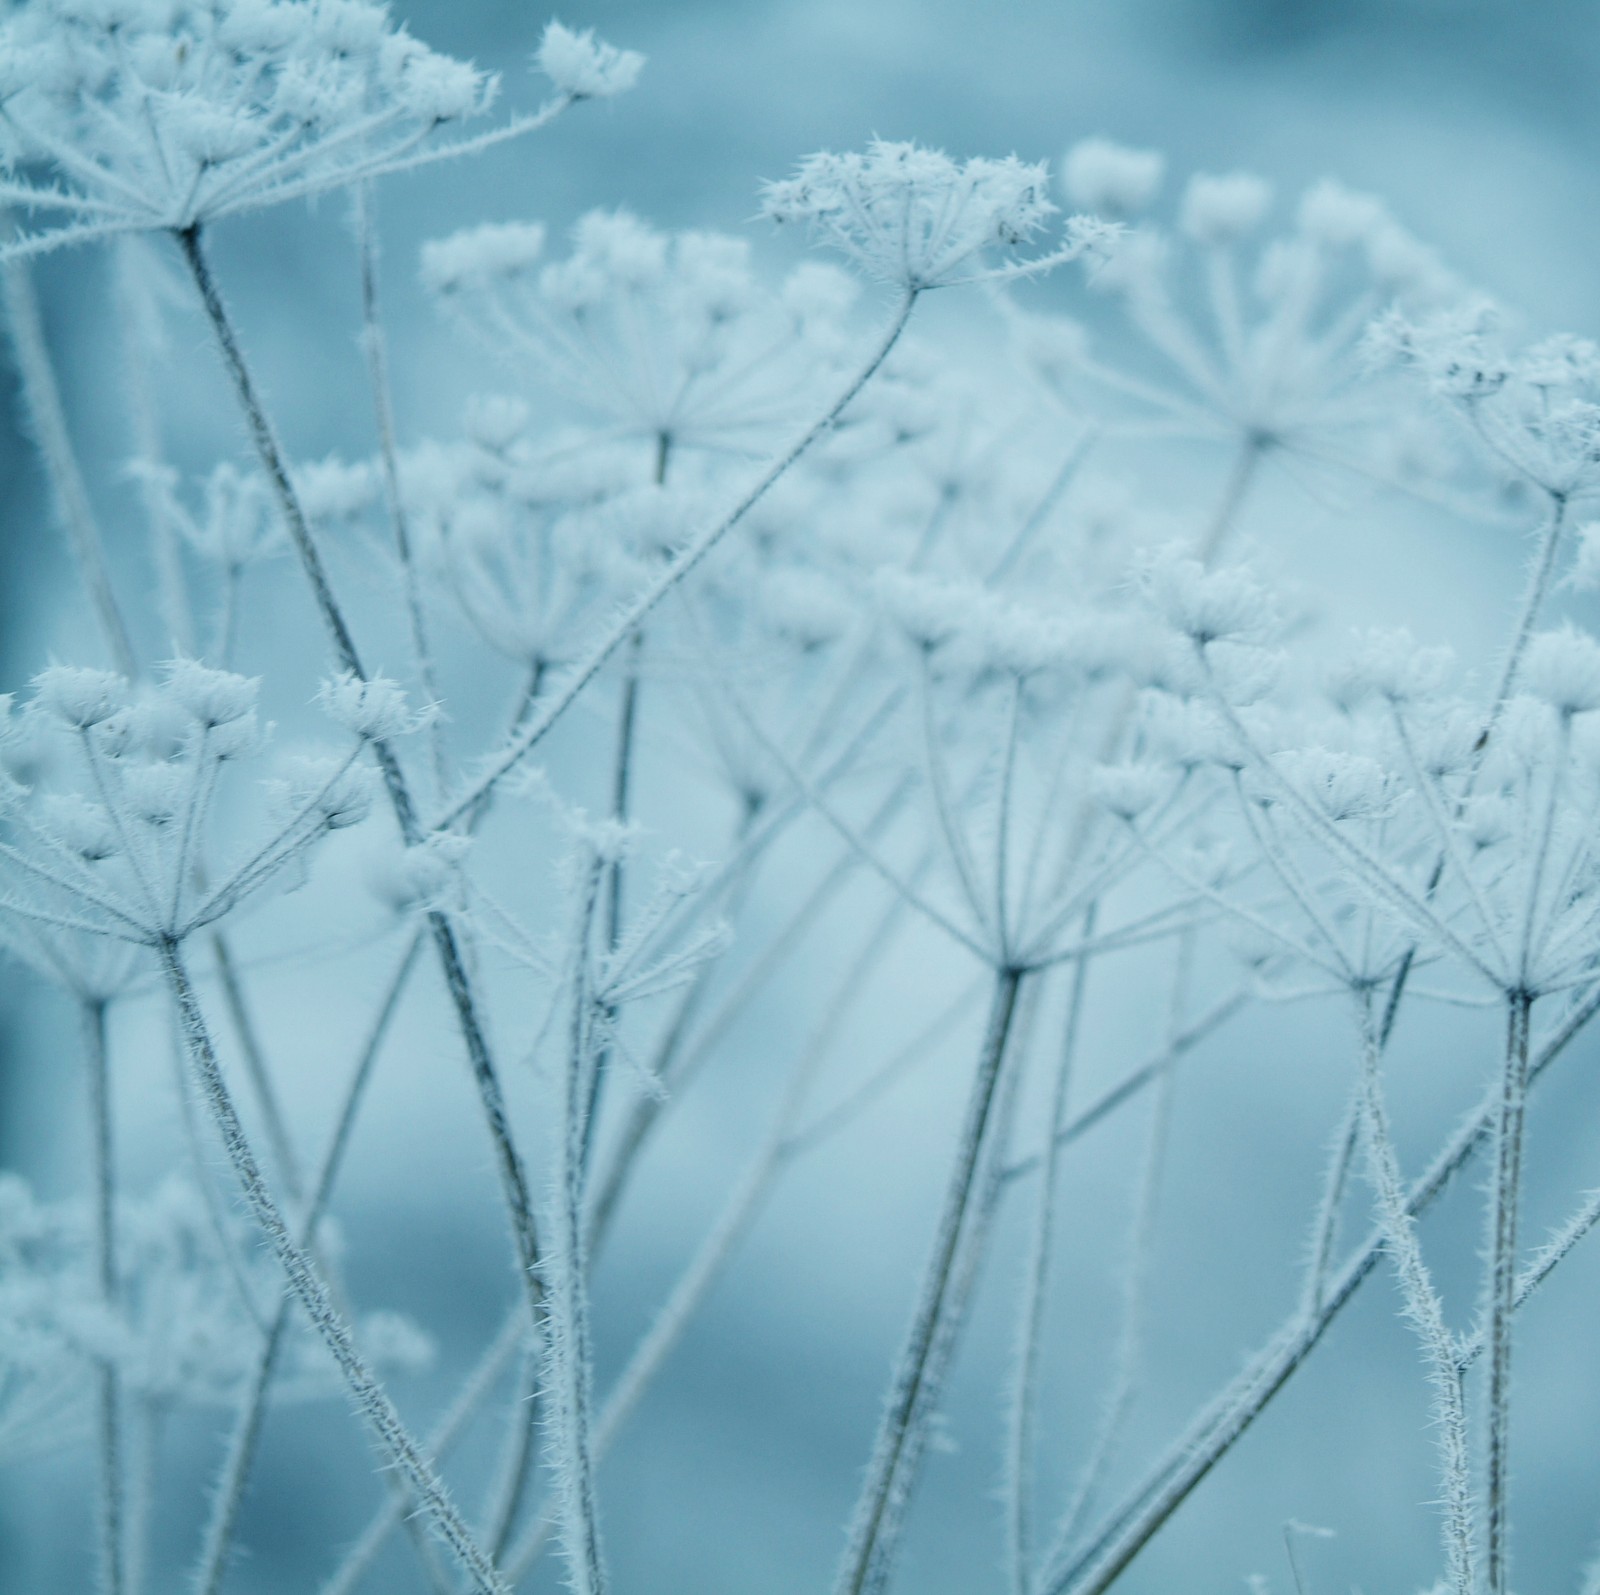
(585, 67)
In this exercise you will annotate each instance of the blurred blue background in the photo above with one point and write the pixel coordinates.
(1479, 123)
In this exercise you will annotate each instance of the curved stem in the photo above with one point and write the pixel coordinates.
(685, 561)
(366, 1393)
(874, 1534)
(113, 1549)
(228, 1496)
(41, 394)
(513, 1177)
(1097, 1565)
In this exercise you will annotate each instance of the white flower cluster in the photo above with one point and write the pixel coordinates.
(110, 797)
(1273, 355)
(915, 218)
(1536, 411)
(168, 114)
(180, 1328)
(669, 339)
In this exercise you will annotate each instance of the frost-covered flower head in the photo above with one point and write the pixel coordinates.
(234, 523)
(506, 531)
(182, 1330)
(1111, 179)
(1536, 410)
(669, 338)
(1267, 348)
(915, 218)
(107, 836)
(171, 113)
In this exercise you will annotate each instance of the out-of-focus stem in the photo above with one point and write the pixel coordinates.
(47, 421)
(113, 1567)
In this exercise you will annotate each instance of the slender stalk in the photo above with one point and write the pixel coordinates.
(472, 1394)
(1325, 1229)
(513, 1178)
(516, 1467)
(376, 347)
(1096, 1565)
(890, 1472)
(1423, 1310)
(1241, 477)
(621, 792)
(1035, 1291)
(41, 394)
(1130, 1333)
(367, 1394)
(256, 1067)
(1502, 1284)
(143, 344)
(243, 1445)
(112, 1523)
(686, 560)
(568, 1355)
(1533, 599)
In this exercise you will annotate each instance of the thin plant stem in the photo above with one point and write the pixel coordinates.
(228, 1497)
(139, 326)
(568, 1356)
(516, 1465)
(376, 347)
(784, 1145)
(1241, 477)
(681, 565)
(621, 794)
(256, 1067)
(1325, 1227)
(1510, 1117)
(1130, 1333)
(513, 1177)
(113, 1502)
(475, 1389)
(1097, 1564)
(1424, 1312)
(47, 421)
(1534, 595)
(366, 1393)
(890, 1472)
(1035, 1293)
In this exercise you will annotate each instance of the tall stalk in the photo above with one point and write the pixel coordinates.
(890, 1474)
(228, 1497)
(1423, 1310)
(41, 396)
(1502, 1281)
(513, 1177)
(112, 1526)
(366, 1393)
(1019, 1456)
(1095, 1566)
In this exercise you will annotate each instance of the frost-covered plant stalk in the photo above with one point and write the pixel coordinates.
(956, 699)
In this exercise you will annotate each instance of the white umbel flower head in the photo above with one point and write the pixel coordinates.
(150, 115)
(1563, 668)
(914, 217)
(374, 709)
(1111, 179)
(585, 67)
(1218, 209)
